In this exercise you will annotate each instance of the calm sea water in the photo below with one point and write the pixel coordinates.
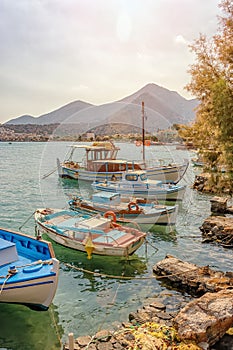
(86, 303)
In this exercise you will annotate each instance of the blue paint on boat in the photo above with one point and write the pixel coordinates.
(27, 264)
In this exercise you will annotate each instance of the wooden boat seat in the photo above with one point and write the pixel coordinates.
(95, 223)
(8, 252)
(116, 237)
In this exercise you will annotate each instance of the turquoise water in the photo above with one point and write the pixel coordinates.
(85, 303)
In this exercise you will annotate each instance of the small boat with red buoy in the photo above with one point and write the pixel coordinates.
(138, 210)
(97, 234)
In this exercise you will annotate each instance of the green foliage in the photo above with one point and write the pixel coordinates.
(212, 83)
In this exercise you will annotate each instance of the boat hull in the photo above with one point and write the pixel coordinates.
(162, 216)
(174, 193)
(34, 280)
(98, 250)
(81, 231)
(166, 174)
(35, 293)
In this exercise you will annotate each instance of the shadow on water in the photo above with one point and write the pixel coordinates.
(18, 331)
(73, 187)
(101, 265)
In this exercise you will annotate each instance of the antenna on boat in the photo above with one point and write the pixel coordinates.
(143, 132)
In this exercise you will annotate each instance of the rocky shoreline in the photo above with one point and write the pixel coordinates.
(205, 322)
(214, 183)
(218, 228)
(201, 323)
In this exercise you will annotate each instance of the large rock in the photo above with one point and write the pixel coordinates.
(194, 279)
(218, 229)
(205, 320)
(219, 204)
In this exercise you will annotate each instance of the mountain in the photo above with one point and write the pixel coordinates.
(24, 119)
(167, 103)
(57, 116)
(163, 108)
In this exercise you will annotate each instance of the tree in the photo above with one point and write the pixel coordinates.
(212, 83)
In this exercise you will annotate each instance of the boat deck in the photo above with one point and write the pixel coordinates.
(24, 267)
(115, 237)
(24, 254)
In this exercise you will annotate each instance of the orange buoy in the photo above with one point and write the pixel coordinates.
(110, 213)
(147, 143)
(133, 205)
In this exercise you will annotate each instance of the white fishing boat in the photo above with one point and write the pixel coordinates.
(28, 269)
(136, 209)
(88, 233)
(136, 183)
(100, 163)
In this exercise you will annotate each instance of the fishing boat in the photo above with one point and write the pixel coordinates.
(89, 233)
(136, 183)
(28, 270)
(100, 163)
(138, 210)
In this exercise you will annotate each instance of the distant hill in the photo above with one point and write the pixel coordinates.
(24, 119)
(57, 116)
(168, 104)
(163, 108)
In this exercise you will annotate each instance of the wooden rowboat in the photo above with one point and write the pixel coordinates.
(88, 233)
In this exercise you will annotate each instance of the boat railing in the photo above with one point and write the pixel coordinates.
(108, 238)
(112, 238)
(66, 229)
(59, 213)
(39, 249)
(159, 162)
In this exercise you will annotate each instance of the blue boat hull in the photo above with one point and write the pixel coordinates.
(28, 269)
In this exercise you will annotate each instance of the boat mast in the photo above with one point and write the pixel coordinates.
(143, 132)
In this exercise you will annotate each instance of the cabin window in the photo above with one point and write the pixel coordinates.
(131, 177)
(143, 177)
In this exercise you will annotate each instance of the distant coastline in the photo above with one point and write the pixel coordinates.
(53, 132)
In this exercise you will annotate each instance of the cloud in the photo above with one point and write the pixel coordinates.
(52, 49)
(180, 40)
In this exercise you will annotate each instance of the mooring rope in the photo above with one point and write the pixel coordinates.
(128, 277)
(27, 220)
(52, 316)
(41, 262)
(50, 173)
(6, 279)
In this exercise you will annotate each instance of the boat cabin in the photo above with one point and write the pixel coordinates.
(112, 165)
(101, 157)
(96, 151)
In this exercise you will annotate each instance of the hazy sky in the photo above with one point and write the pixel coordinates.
(53, 52)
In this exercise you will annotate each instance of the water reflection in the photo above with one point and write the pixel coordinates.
(73, 187)
(85, 302)
(18, 331)
(73, 260)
